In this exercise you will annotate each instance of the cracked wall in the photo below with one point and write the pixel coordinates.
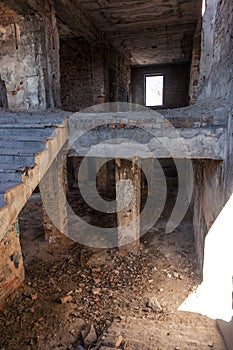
(213, 180)
(216, 74)
(29, 60)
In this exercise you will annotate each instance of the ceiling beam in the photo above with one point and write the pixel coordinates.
(70, 13)
(67, 11)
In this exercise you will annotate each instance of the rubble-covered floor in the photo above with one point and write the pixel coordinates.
(76, 297)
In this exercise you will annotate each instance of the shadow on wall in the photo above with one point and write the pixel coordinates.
(3, 94)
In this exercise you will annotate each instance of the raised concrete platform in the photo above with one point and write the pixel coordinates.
(146, 135)
(192, 132)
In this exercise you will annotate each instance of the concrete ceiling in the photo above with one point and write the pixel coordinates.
(151, 31)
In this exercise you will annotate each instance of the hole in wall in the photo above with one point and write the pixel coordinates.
(3, 94)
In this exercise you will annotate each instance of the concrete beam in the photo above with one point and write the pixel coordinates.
(69, 13)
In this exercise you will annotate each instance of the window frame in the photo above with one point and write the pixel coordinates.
(145, 95)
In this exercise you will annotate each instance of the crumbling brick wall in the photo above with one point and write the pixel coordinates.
(91, 74)
(29, 60)
(11, 263)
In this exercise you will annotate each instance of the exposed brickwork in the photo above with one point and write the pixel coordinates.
(51, 232)
(7, 16)
(195, 66)
(11, 263)
(76, 75)
(91, 75)
(29, 60)
(118, 76)
(176, 83)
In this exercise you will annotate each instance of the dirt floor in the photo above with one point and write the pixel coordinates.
(75, 297)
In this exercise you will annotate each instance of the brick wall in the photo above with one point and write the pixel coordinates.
(195, 66)
(29, 60)
(76, 64)
(118, 76)
(11, 263)
(7, 15)
(176, 84)
(91, 75)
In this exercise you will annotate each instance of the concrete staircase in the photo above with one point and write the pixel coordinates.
(24, 139)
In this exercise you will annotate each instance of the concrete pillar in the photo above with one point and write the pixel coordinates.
(128, 197)
(208, 200)
(11, 262)
(53, 191)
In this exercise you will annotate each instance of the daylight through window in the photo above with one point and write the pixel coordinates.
(154, 90)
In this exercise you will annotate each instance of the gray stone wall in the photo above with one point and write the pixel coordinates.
(216, 78)
(213, 180)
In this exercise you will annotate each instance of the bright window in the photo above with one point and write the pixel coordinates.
(154, 90)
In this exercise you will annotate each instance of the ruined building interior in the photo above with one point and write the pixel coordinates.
(116, 174)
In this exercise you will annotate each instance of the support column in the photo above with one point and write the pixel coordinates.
(11, 262)
(128, 197)
(53, 192)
